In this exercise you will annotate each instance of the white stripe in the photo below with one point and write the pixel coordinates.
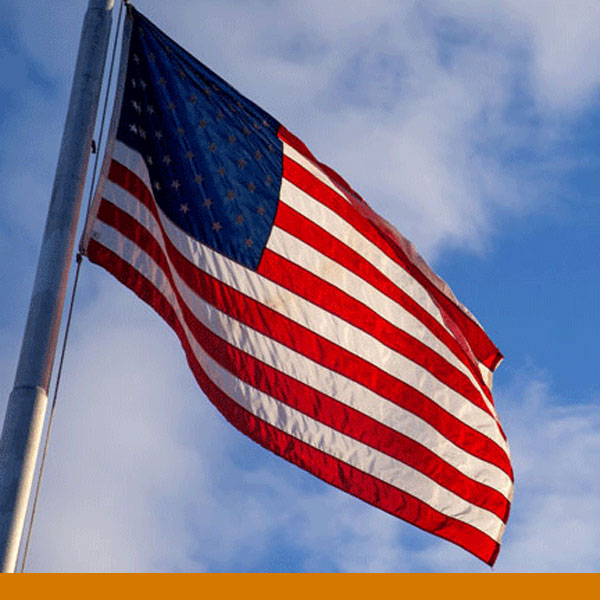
(302, 427)
(304, 255)
(317, 320)
(133, 160)
(310, 372)
(313, 168)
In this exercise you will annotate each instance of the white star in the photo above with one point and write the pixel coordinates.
(167, 159)
(149, 160)
(142, 133)
(158, 135)
(136, 106)
(157, 186)
(208, 202)
(133, 128)
(136, 59)
(143, 84)
(175, 184)
(189, 154)
(133, 84)
(216, 226)
(184, 208)
(150, 109)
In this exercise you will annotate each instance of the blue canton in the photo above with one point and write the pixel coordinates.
(214, 157)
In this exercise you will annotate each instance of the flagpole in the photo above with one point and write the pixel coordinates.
(24, 418)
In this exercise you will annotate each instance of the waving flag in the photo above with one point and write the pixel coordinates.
(309, 322)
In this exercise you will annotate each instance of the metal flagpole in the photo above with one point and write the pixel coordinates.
(24, 419)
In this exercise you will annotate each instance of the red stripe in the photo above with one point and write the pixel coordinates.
(322, 351)
(131, 183)
(372, 226)
(285, 331)
(324, 466)
(345, 306)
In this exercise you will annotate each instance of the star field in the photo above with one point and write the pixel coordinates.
(213, 156)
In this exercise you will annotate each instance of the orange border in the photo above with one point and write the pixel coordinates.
(300, 586)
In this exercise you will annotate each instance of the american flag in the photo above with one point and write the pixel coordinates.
(311, 324)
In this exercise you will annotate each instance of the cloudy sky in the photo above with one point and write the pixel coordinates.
(474, 128)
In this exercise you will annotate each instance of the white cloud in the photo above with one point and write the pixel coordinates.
(555, 446)
(559, 39)
(119, 446)
(423, 107)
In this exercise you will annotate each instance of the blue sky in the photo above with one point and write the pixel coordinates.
(473, 127)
